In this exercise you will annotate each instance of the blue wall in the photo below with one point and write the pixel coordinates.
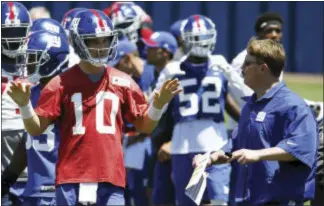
(303, 29)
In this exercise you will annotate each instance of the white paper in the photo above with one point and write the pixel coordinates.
(88, 193)
(198, 181)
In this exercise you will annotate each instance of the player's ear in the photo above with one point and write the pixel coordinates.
(166, 54)
(264, 68)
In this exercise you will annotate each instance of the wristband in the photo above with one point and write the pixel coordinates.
(154, 113)
(27, 111)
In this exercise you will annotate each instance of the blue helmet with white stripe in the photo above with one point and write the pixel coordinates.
(127, 19)
(43, 55)
(199, 35)
(15, 22)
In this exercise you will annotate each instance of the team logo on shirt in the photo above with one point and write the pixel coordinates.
(260, 117)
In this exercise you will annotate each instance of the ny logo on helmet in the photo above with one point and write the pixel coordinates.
(52, 28)
(12, 17)
(74, 24)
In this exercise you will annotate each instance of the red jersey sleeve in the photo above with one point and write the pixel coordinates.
(135, 104)
(49, 104)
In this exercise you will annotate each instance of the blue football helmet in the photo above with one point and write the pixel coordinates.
(43, 55)
(127, 20)
(48, 25)
(68, 16)
(89, 25)
(199, 35)
(15, 22)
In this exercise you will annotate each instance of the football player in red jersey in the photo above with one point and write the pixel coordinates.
(90, 101)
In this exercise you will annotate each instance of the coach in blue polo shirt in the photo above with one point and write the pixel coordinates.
(274, 148)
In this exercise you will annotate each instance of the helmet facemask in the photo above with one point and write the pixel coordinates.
(12, 37)
(200, 44)
(30, 62)
(103, 54)
(129, 28)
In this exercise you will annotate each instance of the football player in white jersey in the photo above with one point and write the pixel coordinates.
(198, 112)
(15, 21)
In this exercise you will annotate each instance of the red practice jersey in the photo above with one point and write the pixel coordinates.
(91, 122)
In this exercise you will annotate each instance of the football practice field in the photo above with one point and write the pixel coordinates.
(307, 86)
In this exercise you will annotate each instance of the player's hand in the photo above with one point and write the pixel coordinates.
(197, 159)
(218, 157)
(136, 63)
(164, 153)
(245, 156)
(19, 93)
(169, 89)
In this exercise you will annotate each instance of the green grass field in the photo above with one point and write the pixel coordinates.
(307, 86)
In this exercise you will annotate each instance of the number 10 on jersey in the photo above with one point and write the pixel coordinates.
(79, 129)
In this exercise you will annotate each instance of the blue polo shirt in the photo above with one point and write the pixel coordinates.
(279, 119)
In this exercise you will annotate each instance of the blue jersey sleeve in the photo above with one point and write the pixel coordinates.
(301, 137)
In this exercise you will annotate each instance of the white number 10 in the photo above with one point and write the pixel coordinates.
(79, 129)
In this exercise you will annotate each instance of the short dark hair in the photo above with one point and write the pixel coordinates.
(268, 16)
(268, 51)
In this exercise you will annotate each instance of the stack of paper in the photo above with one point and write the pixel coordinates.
(197, 184)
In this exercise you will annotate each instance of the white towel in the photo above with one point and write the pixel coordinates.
(88, 193)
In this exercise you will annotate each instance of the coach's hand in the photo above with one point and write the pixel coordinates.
(19, 93)
(168, 90)
(218, 157)
(244, 156)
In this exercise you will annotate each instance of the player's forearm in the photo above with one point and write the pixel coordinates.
(34, 125)
(148, 122)
(232, 108)
(145, 125)
(275, 154)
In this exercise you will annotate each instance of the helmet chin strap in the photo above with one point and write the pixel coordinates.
(99, 62)
(199, 51)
